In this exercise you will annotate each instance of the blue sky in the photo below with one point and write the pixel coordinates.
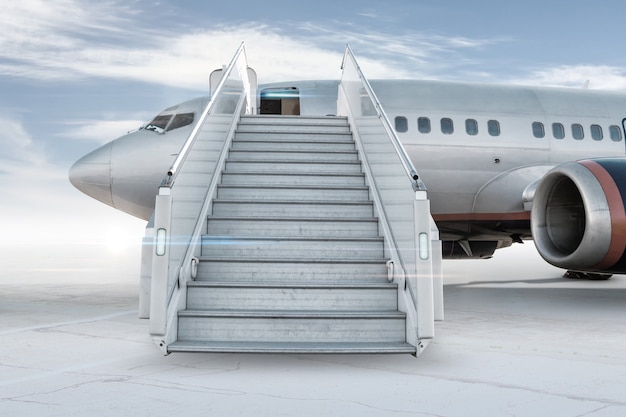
(75, 74)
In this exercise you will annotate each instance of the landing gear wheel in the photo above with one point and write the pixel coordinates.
(592, 276)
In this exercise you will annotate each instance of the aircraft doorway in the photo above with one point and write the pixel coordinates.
(624, 128)
(282, 100)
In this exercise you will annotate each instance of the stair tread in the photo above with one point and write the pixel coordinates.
(294, 238)
(297, 187)
(321, 174)
(300, 141)
(295, 285)
(298, 162)
(292, 117)
(317, 151)
(299, 219)
(292, 347)
(293, 260)
(296, 314)
(320, 202)
(294, 137)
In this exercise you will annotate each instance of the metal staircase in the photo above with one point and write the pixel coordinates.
(292, 233)
(292, 262)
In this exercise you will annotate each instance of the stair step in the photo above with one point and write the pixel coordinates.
(301, 146)
(293, 156)
(292, 347)
(291, 326)
(293, 128)
(288, 193)
(305, 248)
(301, 179)
(277, 227)
(298, 120)
(293, 209)
(287, 296)
(295, 167)
(364, 285)
(293, 137)
(292, 271)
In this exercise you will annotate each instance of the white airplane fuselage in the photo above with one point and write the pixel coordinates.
(481, 150)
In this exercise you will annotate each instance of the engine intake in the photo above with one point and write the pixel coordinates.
(578, 220)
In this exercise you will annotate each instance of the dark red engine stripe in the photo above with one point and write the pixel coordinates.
(617, 212)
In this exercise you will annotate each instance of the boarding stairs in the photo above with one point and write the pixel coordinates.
(272, 236)
(292, 260)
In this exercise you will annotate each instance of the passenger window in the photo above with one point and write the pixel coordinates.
(538, 130)
(558, 131)
(596, 132)
(447, 127)
(471, 127)
(493, 126)
(577, 131)
(616, 133)
(423, 124)
(402, 124)
(181, 120)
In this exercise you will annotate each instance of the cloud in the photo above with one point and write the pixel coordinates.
(599, 77)
(17, 145)
(404, 55)
(100, 131)
(39, 206)
(76, 39)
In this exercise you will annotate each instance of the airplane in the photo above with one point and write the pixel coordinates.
(502, 163)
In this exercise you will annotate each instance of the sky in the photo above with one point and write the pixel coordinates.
(75, 74)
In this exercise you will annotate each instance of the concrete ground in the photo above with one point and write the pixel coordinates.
(518, 340)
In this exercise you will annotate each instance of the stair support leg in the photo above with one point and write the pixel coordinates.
(160, 266)
(145, 275)
(437, 277)
(422, 279)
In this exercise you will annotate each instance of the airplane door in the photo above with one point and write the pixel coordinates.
(282, 100)
(624, 128)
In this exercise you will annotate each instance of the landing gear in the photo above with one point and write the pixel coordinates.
(592, 276)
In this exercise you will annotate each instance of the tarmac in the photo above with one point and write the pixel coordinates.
(518, 340)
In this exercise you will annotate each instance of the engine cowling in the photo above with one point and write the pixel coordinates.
(578, 219)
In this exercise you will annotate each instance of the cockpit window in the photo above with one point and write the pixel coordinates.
(181, 120)
(158, 123)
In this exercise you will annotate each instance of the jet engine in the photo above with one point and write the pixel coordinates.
(578, 220)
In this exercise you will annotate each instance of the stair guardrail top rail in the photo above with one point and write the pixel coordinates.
(219, 103)
(184, 200)
(402, 207)
(351, 73)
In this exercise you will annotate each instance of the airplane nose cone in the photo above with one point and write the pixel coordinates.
(91, 174)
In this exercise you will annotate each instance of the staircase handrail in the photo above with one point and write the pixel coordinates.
(170, 178)
(403, 212)
(418, 184)
(169, 279)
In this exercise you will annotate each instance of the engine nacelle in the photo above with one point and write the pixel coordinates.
(578, 220)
